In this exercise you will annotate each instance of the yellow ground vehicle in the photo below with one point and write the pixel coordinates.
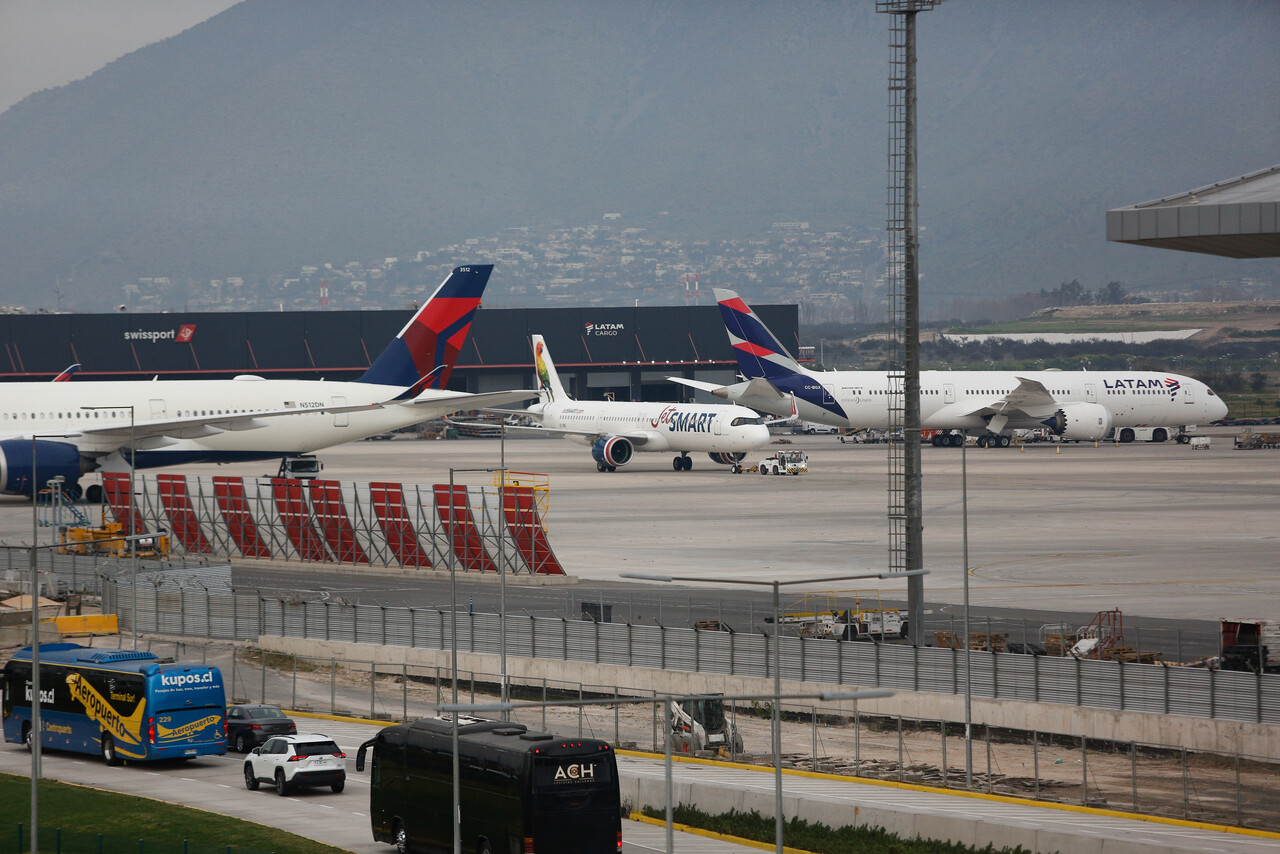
(102, 540)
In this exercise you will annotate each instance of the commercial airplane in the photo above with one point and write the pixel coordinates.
(1080, 405)
(77, 427)
(615, 430)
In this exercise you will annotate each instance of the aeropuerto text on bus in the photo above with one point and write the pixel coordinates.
(121, 704)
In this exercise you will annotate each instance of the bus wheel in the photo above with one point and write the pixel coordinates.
(282, 787)
(250, 779)
(484, 847)
(109, 755)
(26, 736)
(401, 837)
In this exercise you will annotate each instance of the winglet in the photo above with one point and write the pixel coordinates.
(67, 374)
(423, 354)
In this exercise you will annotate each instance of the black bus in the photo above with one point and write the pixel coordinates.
(521, 792)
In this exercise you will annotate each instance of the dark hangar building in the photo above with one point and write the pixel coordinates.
(626, 352)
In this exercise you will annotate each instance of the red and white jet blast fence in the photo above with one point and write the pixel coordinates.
(329, 521)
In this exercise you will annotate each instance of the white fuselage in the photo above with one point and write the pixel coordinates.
(948, 399)
(54, 409)
(668, 427)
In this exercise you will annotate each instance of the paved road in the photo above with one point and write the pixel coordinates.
(215, 783)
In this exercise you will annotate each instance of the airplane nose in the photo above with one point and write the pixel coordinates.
(1219, 409)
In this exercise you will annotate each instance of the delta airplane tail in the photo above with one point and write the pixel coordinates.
(423, 354)
(759, 353)
(549, 387)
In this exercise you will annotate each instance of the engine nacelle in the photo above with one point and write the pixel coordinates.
(615, 451)
(51, 459)
(1082, 422)
(727, 459)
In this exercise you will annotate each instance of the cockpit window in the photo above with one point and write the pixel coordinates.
(738, 422)
(1210, 392)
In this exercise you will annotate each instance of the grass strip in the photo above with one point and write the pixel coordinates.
(82, 811)
(817, 837)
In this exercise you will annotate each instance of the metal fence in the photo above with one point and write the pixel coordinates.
(1150, 779)
(168, 606)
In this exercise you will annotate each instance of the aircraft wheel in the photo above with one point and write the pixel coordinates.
(612, 468)
(982, 441)
(601, 467)
(1004, 441)
(688, 463)
(677, 463)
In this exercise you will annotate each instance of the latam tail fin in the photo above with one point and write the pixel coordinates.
(423, 355)
(760, 354)
(549, 387)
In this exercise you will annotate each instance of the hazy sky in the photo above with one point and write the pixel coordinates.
(48, 43)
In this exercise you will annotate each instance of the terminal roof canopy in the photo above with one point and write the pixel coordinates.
(1237, 218)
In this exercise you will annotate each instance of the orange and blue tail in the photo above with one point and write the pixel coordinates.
(422, 356)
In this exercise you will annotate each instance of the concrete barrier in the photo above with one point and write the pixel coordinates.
(1195, 734)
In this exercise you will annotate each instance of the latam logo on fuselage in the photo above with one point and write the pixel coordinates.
(683, 422)
(604, 328)
(1168, 384)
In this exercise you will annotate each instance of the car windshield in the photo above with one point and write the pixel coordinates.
(266, 713)
(316, 748)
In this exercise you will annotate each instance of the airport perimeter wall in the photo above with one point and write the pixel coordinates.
(1122, 726)
(1197, 709)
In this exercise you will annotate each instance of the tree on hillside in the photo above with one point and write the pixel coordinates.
(1069, 293)
(1113, 293)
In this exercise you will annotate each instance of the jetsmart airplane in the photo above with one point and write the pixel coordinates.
(615, 430)
(1081, 405)
(78, 427)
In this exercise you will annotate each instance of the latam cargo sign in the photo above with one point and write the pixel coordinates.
(182, 334)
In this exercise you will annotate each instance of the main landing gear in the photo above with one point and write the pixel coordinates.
(993, 440)
(682, 462)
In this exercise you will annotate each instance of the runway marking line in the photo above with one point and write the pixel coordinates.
(982, 796)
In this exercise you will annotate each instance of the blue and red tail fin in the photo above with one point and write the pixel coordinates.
(423, 355)
(760, 354)
(67, 374)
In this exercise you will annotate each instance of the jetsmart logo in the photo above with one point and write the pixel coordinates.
(180, 679)
(183, 334)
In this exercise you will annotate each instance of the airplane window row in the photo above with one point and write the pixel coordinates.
(16, 416)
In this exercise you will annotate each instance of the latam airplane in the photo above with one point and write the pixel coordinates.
(73, 428)
(1080, 405)
(615, 430)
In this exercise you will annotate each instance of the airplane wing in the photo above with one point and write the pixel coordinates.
(156, 433)
(441, 403)
(698, 384)
(758, 386)
(1028, 401)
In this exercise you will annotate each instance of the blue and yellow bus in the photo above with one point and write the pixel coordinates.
(122, 704)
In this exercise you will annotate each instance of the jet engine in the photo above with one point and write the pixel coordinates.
(51, 459)
(1083, 422)
(727, 459)
(612, 452)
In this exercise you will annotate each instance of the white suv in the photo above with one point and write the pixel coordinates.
(289, 761)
